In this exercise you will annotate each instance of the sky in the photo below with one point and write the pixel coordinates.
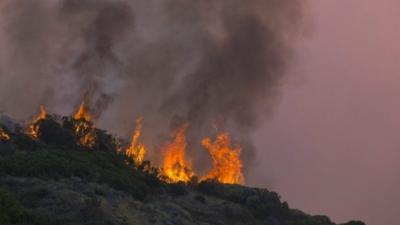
(332, 145)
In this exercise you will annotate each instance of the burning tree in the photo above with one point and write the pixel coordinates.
(83, 126)
(176, 167)
(227, 166)
(33, 129)
(137, 150)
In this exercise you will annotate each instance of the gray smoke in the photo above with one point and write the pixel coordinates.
(215, 64)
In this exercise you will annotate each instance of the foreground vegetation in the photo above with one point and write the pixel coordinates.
(54, 180)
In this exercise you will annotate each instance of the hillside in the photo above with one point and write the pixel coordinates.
(51, 180)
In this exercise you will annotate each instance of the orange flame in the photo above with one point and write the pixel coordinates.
(176, 167)
(82, 113)
(4, 136)
(227, 166)
(34, 127)
(137, 150)
(83, 127)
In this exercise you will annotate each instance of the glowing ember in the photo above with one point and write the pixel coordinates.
(137, 149)
(176, 167)
(33, 130)
(84, 127)
(227, 166)
(4, 136)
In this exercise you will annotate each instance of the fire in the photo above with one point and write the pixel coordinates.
(137, 150)
(83, 126)
(4, 136)
(227, 166)
(34, 127)
(176, 167)
(82, 113)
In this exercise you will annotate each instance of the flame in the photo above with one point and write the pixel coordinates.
(176, 167)
(83, 127)
(137, 150)
(88, 139)
(4, 136)
(82, 113)
(227, 166)
(34, 127)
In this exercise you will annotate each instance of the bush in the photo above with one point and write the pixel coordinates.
(101, 167)
(12, 213)
(53, 133)
(261, 202)
(178, 189)
(200, 198)
(7, 148)
(354, 223)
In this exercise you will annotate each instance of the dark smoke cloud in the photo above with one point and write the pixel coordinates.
(215, 64)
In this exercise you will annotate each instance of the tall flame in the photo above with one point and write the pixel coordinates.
(34, 127)
(83, 126)
(227, 166)
(176, 167)
(4, 136)
(137, 150)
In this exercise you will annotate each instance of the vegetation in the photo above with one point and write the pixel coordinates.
(55, 180)
(11, 212)
(101, 167)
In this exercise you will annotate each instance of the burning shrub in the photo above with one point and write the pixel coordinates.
(24, 142)
(6, 147)
(4, 136)
(82, 130)
(16, 140)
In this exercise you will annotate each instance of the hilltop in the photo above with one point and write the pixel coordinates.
(52, 179)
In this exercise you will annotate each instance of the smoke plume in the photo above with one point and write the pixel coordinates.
(215, 64)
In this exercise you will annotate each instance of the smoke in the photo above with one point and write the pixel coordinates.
(215, 64)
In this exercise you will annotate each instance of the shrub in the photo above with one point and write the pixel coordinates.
(53, 133)
(12, 213)
(354, 223)
(261, 202)
(101, 167)
(200, 198)
(178, 189)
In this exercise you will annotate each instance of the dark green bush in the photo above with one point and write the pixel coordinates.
(12, 213)
(354, 223)
(102, 167)
(200, 198)
(178, 189)
(261, 202)
(53, 133)
(7, 148)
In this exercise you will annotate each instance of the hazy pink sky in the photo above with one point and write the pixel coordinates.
(333, 144)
